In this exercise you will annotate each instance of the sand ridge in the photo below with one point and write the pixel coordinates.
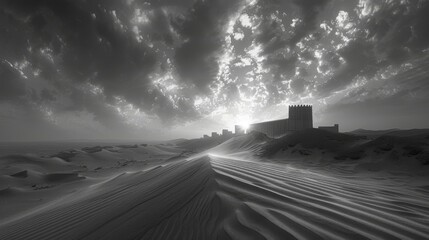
(230, 191)
(215, 197)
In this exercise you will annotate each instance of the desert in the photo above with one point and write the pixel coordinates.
(330, 186)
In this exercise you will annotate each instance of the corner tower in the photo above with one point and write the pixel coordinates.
(300, 117)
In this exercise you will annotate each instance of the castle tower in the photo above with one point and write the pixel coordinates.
(300, 117)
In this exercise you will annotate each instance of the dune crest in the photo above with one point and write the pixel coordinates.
(230, 191)
(216, 197)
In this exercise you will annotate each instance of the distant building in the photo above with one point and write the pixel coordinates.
(239, 130)
(215, 134)
(334, 129)
(205, 136)
(225, 132)
(300, 118)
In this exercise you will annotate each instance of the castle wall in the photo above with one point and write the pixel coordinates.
(300, 118)
(271, 128)
(334, 129)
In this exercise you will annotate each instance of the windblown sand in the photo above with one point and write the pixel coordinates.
(227, 192)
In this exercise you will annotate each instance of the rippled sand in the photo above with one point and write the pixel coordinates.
(166, 194)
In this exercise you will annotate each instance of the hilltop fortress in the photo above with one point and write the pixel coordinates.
(300, 118)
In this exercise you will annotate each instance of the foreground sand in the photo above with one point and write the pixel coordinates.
(164, 192)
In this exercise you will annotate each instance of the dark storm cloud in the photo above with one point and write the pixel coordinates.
(271, 33)
(399, 29)
(279, 46)
(166, 59)
(391, 35)
(359, 60)
(399, 101)
(273, 41)
(84, 101)
(330, 60)
(310, 10)
(282, 67)
(12, 85)
(159, 29)
(298, 85)
(271, 36)
(203, 30)
(89, 42)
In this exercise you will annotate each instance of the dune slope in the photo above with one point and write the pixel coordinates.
(218, 197)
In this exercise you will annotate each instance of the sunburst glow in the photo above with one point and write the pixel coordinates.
(244, 122)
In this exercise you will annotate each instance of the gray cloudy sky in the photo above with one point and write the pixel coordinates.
(109, 69)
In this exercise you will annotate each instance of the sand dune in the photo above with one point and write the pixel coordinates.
(408, 153)
(309, 205)
(226, 192)
(217, 197)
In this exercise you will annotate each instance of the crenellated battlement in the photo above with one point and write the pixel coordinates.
(302, 116)
(300, 106)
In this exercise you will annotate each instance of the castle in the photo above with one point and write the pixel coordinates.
(300, 117)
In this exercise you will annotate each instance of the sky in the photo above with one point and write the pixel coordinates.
(165, 69)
